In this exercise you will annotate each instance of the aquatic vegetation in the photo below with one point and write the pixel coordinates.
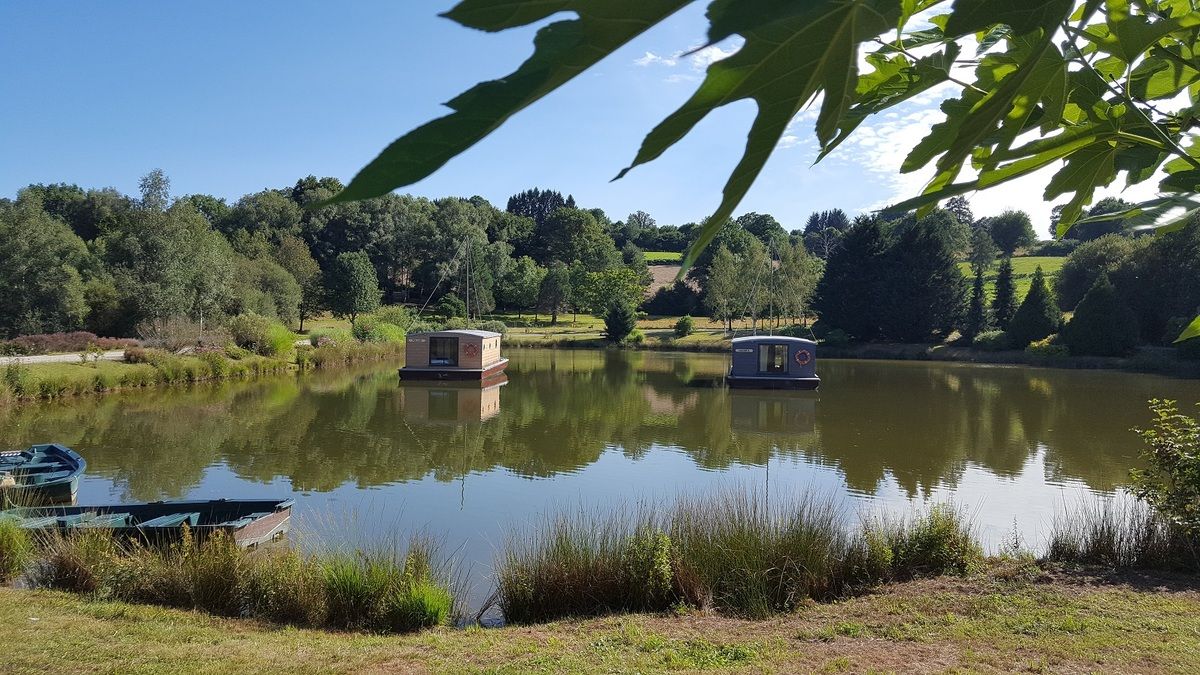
(1119, 534)
(16, 549)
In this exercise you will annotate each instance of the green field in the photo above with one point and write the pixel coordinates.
(659, 257)
(1023, 269)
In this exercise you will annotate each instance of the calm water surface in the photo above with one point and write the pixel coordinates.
(368, 455)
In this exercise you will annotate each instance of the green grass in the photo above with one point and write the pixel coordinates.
(983, 623)
(1023, 269)
(663, 256)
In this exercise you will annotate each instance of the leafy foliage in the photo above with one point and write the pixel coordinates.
(1171, 481)
(1106, 101)
(353, 287)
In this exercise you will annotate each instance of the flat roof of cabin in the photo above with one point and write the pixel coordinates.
(774, 339)
(459, 333)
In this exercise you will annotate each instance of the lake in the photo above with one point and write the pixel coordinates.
(366, 456)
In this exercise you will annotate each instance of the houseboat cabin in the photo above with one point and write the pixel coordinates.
(453, 355)
(773, 362)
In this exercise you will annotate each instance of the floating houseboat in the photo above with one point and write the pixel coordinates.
(773, 362)
(249, 521)
(453, 355)
(43, 474)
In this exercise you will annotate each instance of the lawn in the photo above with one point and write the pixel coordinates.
(1023, 269)
(1009, 619)
(660, 257)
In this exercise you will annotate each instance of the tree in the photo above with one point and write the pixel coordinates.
(1004, 303)
(1118, 224)
(1011, 230)
(983, 249)
(977, 320)
(616, 284)
(40, 262)
(1038, 315)
(925, 288)
(635, 260)
(519, 287)
(823, 232)
(724, 287)
(764, 227)
(570, 235)
(156, 190)
(554, 296)
(850, 293)
(313, 299)
(619, 321)
(1103, 325)
(352, 287)
(1090, 261)
(536, 204)
(960, 208)
(795, 280)
(756, 270)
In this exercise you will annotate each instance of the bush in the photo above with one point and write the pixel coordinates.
(176, 333)
(419, 326)
(619, 321)
(1170, 483)
(1047, 347)
(330, 336)
(1088, 263)
(261, 335)
(990, 341)
(1103, 325)
(18, 380)
(937, 542)
(395, 315)
(16, 548)
(371, 329)
(455, 323)
(677, 299)
(836, 338)
(51, 343)
(495, 326)
(1037, 317)
(1053, 248)
(684, 326)
(450, 306)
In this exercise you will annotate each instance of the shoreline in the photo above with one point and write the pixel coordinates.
(1148, 361)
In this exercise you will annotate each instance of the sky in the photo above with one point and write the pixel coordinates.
(232, 97)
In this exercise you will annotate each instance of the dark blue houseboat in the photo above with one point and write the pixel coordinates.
(773, 362)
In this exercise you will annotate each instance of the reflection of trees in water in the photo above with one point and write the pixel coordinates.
(921, 423)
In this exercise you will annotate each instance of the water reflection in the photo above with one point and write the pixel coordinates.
(919, 427)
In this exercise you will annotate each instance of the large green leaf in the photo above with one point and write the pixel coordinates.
(1022, 16)
(562, 50)
(809, 49)
(1084, 171)
(1191, 331)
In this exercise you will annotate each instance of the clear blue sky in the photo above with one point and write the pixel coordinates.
(232, 97)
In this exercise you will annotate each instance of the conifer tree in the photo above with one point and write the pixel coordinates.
(977, 312)
(1037, 317)
(1004, 304)
(1103, 325)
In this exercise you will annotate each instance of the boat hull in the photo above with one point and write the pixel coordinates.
(42, 475)
(793, 383)
(454, 374)
(249, 522)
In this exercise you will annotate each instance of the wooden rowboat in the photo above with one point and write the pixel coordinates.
(43, 474)
(249, 521)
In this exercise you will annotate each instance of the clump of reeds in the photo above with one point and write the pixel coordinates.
(16, 549)
(392, 590)
(733, 553)
(1122, 534)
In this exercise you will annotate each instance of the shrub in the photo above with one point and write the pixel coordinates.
(1037, 317)
(990, 341)
(455, 323)
(1053, 247)
(174, 333)
(619, 321)
(48, 343)
(940, 541)
(261, 335)
(495, 326)
(18, 380)
(1047, 347)
(1088, 263)
(636, 337)
(1170, 483)
(836, 338)
(677, 299)
(329, 336)
(1103, 325)
(419, 326)
(395, 315)
(450, 306)
(371, 329)
(1113, 533)
(16, 548)
(684, 326)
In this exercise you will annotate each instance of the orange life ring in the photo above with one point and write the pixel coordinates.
(803, 357)
(470, 350)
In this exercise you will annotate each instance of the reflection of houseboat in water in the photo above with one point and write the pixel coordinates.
(774, 413)
(773, 362)
(453, 355)
(453, 402)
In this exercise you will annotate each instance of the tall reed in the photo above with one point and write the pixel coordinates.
(1122, 534)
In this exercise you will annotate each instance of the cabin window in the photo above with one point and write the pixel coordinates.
(443, 351)
(772, 358)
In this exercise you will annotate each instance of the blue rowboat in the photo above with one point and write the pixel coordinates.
(249, 521)
(43, 474)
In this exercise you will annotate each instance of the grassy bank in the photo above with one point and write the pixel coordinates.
(147, 368)
(1035, 620)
